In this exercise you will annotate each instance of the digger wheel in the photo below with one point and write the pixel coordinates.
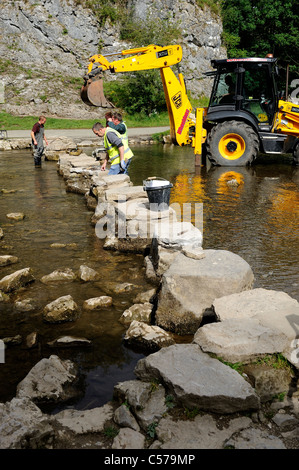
(296, 155)
(232, 143)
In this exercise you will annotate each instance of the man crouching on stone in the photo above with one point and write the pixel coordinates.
(118, 151)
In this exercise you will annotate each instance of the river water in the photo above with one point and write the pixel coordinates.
(253, 212)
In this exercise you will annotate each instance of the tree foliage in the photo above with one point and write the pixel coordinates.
(138, 93)
(258, 27)
(250, 28)
(142, 92)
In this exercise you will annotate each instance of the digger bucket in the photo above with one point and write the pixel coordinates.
(92, 93)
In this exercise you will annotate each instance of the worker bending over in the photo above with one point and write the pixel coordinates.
(118, 151)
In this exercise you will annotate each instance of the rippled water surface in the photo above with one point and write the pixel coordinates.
(250, 211)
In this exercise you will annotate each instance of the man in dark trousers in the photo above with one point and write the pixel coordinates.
(38, 137)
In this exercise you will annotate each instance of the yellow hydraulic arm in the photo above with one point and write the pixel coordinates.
(146, 58)
(142, 58)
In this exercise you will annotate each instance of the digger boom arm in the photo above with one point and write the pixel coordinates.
(147, 58)
(143, 58)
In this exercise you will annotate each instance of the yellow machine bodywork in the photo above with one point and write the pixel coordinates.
(286, 119)
(147, 58)
(195, 129)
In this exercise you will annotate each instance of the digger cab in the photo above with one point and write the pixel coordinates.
(244, 89)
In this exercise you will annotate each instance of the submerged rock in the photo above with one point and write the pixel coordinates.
(16, 280)
(60, 275)
(87, 274)
(15, 216)
(5, 260)
(24, 305)
(69, 342)
(12, 340)
(32, 340)
(63, 309)
(97, 303)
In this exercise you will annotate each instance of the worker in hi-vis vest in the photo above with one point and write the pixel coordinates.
(116, 122)
(118, 151)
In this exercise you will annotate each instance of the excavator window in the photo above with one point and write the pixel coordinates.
(224, 89)
(247, 86)
(259, 93)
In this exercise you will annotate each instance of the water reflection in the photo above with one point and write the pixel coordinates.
(250, 211)
(54, 216)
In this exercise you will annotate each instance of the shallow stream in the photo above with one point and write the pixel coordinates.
(253, 212)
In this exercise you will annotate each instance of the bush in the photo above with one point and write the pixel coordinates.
(141, 92)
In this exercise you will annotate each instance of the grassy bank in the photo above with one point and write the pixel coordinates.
(9, 122)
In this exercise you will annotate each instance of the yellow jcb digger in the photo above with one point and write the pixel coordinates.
(244, 116)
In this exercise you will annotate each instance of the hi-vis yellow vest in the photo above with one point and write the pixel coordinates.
(113, 151)
(125, 136)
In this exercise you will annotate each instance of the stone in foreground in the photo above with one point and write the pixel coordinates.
(237, 340)
(197, 380)
(49, 381)
(270, 308)
(190, 286)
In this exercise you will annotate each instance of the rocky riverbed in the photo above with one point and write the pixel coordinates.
(232, 384)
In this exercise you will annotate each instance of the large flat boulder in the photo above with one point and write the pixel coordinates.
(197, 380)
(270, 308)
(236, 340)
(189, 287)
(275, 310)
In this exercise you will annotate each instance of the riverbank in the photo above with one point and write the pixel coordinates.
(85, 134)
(159, 403)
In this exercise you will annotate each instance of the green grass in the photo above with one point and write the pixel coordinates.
(9, 122)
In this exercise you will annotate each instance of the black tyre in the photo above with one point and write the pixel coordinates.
(296, 155)
(232, 143)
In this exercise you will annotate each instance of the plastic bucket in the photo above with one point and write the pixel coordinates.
(158, 193)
